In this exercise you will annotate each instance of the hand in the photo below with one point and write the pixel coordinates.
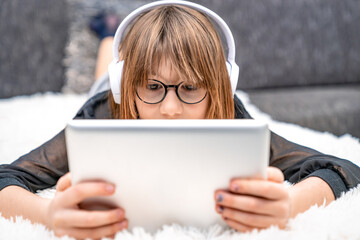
(255, 203)
(65, 217)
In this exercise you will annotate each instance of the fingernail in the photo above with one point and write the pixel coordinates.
(123, 224)
(219, 198)
(220, 209)
(235, 187)
(110, 188)
(120, 213)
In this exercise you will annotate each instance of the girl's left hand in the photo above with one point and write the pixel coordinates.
(255, 203)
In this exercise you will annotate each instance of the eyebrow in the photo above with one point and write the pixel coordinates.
(156, 75)
(160, 78)
(166, 82)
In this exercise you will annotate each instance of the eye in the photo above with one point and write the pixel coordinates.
(153, 86)
(189, 87)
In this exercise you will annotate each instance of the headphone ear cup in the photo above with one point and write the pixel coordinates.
(115, 74)
(228, 66)
(233, 70)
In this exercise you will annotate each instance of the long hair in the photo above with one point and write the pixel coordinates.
(190, 42)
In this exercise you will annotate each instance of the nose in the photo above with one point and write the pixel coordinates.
(171, 106)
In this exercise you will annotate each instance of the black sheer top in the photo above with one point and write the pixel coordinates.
(42, 167)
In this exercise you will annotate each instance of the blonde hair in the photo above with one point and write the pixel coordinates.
(190, 42)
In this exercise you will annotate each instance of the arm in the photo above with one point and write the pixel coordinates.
(41, 169)
(63, 214)
(256, 203)
(259, 203)
(15, 201)
(299, 162)
(302, 195)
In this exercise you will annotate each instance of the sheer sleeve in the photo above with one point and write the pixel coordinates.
(39, 169)
(42, 167)
(298, 162)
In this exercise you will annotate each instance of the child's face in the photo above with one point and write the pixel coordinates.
(171, 107)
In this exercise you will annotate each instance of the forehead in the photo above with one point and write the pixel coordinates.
(165, 68)
(165, 72)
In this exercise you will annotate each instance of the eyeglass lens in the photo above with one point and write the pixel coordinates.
(154, 92)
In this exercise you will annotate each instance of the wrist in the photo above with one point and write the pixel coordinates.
(293, 203)
(44, 212)
(309, 192)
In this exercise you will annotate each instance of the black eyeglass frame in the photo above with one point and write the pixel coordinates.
(166, 91)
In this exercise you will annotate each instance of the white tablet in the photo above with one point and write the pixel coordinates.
(166, 171)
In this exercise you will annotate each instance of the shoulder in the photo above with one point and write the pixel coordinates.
(96, 107)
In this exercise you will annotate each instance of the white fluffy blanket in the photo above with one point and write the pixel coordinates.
(26, 122)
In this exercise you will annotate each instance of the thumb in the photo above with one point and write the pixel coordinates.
(63, 183)
(275, 175)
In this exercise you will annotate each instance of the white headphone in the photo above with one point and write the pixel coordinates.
(115, 67)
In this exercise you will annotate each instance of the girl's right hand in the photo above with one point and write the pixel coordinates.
(65, 217)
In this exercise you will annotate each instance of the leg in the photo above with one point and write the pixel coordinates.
(104, 56)
(104, 26)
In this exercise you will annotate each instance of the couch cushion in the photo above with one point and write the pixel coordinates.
(334, 109)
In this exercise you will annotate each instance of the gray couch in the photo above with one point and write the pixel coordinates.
(299, 59)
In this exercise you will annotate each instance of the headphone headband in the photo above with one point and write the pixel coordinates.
(224, 27)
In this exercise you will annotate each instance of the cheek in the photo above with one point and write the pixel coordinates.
(197, 111)
(146, 111)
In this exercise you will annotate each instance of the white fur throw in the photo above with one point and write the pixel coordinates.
(26, 122)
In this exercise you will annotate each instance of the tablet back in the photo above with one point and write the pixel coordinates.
(166, 171)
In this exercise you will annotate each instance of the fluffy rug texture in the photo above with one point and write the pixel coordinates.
(26, 122)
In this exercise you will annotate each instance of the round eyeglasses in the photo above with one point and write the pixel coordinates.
(155, 92)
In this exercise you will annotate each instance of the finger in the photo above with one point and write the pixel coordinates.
(79, 192)
(64, 182)
(259, 188)
(252, 204)
(251, 219)
(93, 233)
(88, 219)
(275, 174)
(238, 226)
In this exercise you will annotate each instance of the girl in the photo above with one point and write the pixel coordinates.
(172, 45)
